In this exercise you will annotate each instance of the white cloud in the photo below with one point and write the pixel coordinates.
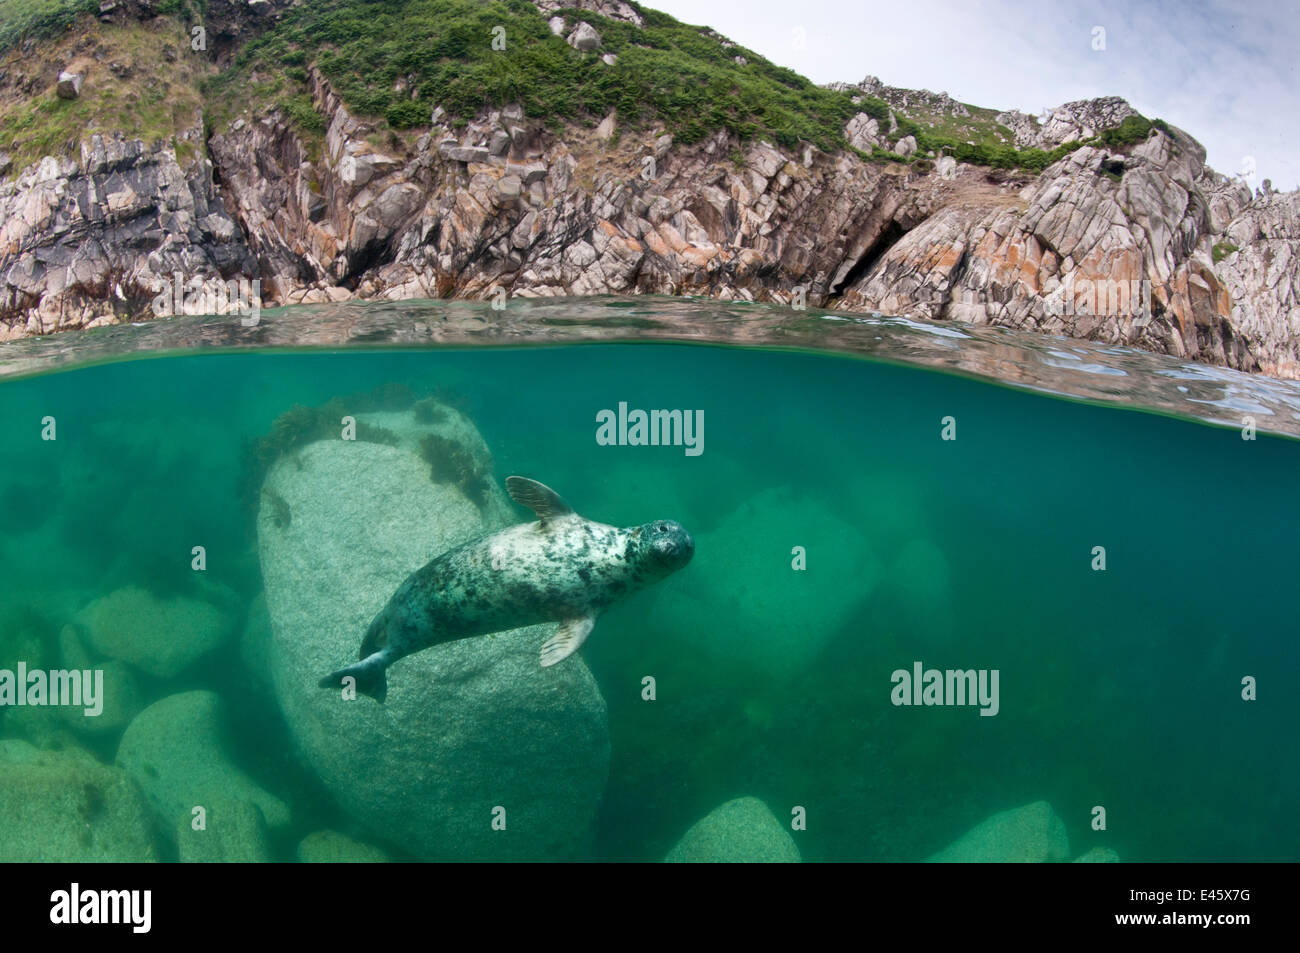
(1223, 71)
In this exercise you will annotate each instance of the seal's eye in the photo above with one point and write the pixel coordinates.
(661, 527)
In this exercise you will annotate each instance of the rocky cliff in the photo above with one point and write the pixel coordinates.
(1136, 242)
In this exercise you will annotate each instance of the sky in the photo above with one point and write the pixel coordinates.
(1222, 71)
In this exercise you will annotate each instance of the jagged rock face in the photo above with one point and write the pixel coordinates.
(1072, 256)
(1071, 122)
(506, 203)
(906, 99)
(546, 217)
(1262, 279)
(614, 9)
(863, 132)
(88, 243)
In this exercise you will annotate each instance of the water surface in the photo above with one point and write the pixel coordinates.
(1120, 688)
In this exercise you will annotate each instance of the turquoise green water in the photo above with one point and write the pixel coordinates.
(1119, 688)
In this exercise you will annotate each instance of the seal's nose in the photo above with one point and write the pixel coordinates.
(685, 546)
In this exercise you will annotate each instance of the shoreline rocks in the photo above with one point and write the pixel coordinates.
(1057, 252)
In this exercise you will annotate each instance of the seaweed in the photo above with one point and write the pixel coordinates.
(280, 514)
(299, 426)
(429, 411)
(450, 462)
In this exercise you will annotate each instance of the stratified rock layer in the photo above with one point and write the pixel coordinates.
(508, 202)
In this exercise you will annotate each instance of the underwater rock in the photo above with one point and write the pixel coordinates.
(234, 832)
(160, 636)
(66, 806)
(255, 641)
(174, 751)
(453, 451)
(21, 640)
(742, 602)
(1031, 834)
(742, 831)
(331, 847)
(1098, 855)
(121, 701)
(43, 725)
(469, 726)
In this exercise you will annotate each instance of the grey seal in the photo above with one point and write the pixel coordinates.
(561, 568)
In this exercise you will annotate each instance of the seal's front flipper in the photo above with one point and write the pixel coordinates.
(538, 497)
(371, 675)
(569, 638)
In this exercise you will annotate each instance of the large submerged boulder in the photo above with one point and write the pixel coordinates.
(742, 831)
(233, 831)
(1032, 834)
(472, 732)
(175, 750)
(66, 806)
(160, 636)
(331, 847)
(121, 701)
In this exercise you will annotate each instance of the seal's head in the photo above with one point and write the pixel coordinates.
(665, 546)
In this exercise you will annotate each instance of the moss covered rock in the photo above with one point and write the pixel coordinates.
(160, 636)
(176, 752)
(67, 806)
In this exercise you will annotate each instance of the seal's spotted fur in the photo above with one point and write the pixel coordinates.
(562, 568)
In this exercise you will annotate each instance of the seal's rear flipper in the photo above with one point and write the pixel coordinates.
(371, 675)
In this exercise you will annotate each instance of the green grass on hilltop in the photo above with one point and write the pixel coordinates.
(442, 52)
(145, 102)
(396, 60)
(38, 18)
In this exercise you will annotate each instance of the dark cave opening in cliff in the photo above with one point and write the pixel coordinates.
(885, 241)
(373, 253)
